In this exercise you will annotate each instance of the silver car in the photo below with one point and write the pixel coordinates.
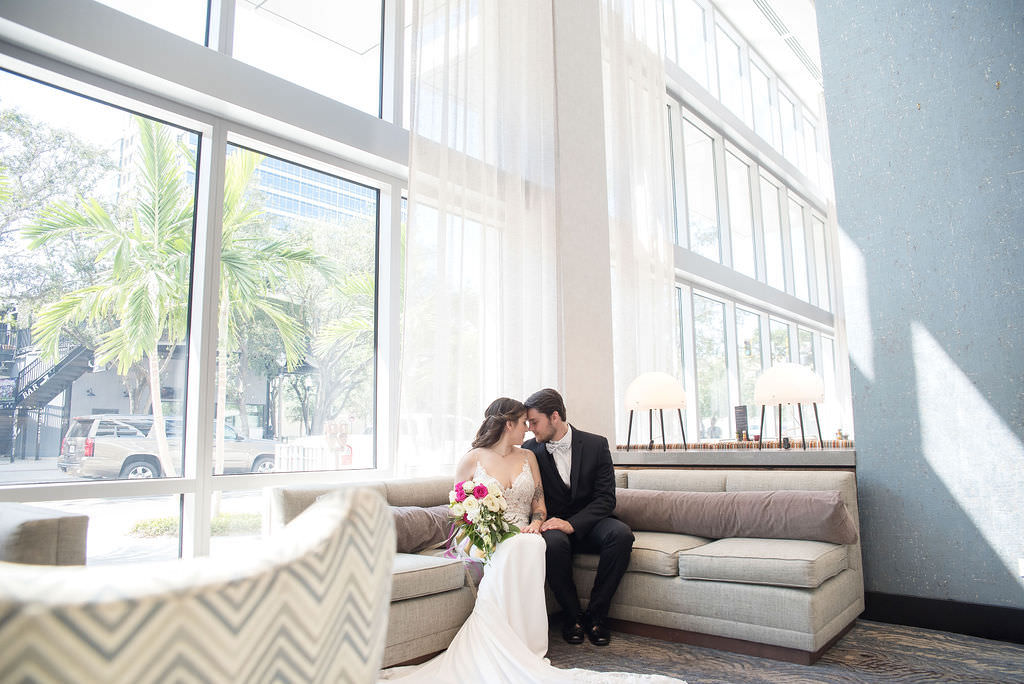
(111, 445)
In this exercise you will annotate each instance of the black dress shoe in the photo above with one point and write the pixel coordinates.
(598, 633)
(572, 631)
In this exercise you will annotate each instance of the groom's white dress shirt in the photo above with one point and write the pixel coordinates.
(561, 451)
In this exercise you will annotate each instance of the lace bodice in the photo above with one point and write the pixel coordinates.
(518, 496)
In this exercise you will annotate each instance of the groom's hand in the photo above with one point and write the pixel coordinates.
(557, 524)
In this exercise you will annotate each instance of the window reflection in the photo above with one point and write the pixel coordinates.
(99, 254)
(701, 194)
(295, 372)
(713, 411)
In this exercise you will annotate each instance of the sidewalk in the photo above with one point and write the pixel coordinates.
(31, 470)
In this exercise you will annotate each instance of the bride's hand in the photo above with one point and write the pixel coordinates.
(532, 528)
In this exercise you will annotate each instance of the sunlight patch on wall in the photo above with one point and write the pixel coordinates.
(856, 297)
(970, 448)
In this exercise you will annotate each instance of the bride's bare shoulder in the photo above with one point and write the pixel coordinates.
(467, 465)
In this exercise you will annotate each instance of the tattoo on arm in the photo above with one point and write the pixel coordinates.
(539, 510)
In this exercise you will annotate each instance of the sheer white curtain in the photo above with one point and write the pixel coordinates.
(644, 319)
(480, 310)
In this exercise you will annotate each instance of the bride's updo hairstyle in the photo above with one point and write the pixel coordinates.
(497, 414)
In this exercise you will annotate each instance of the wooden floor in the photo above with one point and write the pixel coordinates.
(870, 652)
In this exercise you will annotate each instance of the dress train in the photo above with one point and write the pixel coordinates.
(505, 638)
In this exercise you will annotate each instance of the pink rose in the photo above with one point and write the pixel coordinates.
(480, 491)
(460, 494)
(465, 518)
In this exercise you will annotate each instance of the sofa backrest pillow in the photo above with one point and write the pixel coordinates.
(418, 528)
(810, 515)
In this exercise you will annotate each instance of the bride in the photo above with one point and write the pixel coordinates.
(505, 638)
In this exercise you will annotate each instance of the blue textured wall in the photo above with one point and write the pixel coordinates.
(925, 116)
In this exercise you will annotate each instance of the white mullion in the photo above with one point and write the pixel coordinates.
(760, 256)
(389, 278)
(393, 49)
(678, 157)
(221, 34)
(732, 366)
(722, 198)
(687, 338)
(202, 343)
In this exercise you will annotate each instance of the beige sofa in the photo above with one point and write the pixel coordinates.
(788, 599)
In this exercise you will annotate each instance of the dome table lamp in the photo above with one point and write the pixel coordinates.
(789, 383)
(652, 391)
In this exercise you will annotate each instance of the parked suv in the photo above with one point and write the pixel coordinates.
(112, 445)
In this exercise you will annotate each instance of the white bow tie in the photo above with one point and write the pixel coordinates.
(555, 446)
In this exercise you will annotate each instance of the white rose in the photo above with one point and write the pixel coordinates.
(491, 503)
(451, 497)
(471, 505)
(502, 505)
(468, 486)
(457, 510)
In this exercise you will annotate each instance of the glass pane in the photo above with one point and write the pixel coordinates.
(779, 332)
(761, 99)
(692, 40)
(98, 250)
(810, 150)
(779, 344)
(773, 249)
(236, 522)
(796, 236)
(829, 413)
(186, 18)
(805, 340)
(295, 372)
(332, 48)
(740, 219)
(730, 73)
(788, 115)
(701, 193)
(713, 412)
(748, 343)
(821, 265)
(128, 530)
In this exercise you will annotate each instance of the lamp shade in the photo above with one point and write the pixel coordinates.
(655, 390)
(789, 383)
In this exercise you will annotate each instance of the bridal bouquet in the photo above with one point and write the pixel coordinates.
(478, 509)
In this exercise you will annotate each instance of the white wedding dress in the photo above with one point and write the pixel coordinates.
(505, 638)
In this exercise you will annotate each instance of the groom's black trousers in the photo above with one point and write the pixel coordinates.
(613, 541)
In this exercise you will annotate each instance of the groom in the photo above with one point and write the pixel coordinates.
(579, 490)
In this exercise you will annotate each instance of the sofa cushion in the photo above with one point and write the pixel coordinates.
(418, 575)
(779, 562)
(653, 552)
(418, 528)
(811, 515)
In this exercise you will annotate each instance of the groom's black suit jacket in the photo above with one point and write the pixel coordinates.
(590, 496)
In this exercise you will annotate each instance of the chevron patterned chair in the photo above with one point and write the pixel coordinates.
(311, 606)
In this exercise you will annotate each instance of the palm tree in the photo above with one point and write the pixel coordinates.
(144, 287)
(252, 267)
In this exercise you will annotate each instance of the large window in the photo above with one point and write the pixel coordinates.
(701, 193)
(740, 217)
(774, 254)
(713, 414)
(749, 355)
(190, 304)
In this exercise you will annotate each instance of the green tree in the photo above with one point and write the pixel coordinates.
(143, 287)
(254, 266)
